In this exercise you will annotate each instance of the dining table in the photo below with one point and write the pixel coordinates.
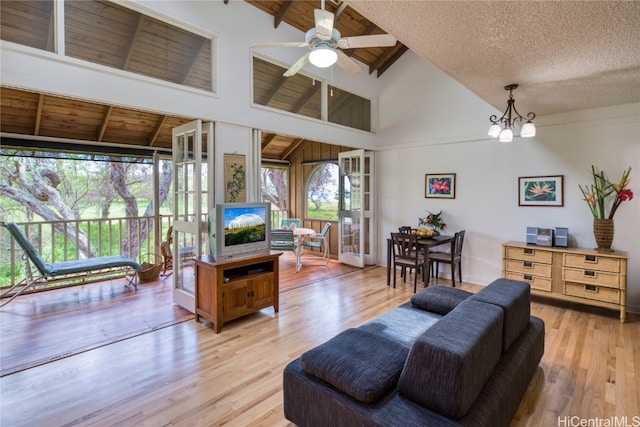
(424, 243)
(301, 233)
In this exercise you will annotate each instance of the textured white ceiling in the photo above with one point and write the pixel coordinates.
(565, 55)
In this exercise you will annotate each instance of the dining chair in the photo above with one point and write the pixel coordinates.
(452, 258)
(407, 255)
(286, 222)
(284, 240)
(320, 240)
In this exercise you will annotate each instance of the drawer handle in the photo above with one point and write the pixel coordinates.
(528, 277)
(590, 273)
(527, 264)
(590, 258)
(591, 288)
(528, 251)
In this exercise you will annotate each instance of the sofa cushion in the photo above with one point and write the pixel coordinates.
(439, 299)
(361, 364)
(450, 362)
(514, 297)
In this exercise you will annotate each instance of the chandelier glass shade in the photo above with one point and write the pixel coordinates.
(323, 57)
(503, 127)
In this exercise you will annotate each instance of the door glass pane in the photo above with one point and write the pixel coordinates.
(185, 261)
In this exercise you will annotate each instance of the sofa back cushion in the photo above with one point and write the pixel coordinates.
(439, 299)
(359, 363)
(450, 362)
(514, 297)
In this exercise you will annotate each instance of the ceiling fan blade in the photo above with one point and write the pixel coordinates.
(374, 40)
(293, 70)
(348, 64)
(281, 44)
(324, 24)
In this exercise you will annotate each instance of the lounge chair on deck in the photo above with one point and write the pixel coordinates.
(62, 268)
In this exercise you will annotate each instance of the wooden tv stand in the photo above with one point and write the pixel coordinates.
(233, 288)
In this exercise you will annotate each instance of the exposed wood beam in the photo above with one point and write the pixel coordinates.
(276, 87)
(341, 7)
(267, 140)
(291, 149)
(305, 98)
(189, 64)
(382, 58)
(105, 123)
(36, 130)
(279, 17)
(393, 59)
(156, 130)
(132, 42)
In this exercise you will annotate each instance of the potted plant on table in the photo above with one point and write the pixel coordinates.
(431, 225)
(600, 195)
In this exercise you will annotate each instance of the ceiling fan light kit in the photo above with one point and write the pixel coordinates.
(323, 57)
(503, 127)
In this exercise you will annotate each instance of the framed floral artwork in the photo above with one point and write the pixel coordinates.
(440, 186)
(541, 190)
(235, 182)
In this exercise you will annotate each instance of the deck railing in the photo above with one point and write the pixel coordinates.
(69, 240)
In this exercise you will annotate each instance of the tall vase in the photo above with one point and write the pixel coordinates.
(603, 233)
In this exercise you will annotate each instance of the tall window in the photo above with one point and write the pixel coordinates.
(300, 94)
(109, 34)
(322, 192)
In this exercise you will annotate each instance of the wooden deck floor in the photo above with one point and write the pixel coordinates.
(186, 375)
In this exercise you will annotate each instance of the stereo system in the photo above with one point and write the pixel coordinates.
(548, 236)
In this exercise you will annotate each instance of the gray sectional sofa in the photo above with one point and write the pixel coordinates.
(447, 358)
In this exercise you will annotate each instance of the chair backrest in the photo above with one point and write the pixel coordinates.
(282, 240)
(28, 248)
(325, 229)
(456, 249)
(405, 229)
(405, 245)
(288, 221)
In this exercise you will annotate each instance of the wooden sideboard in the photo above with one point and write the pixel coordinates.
(573, 274)
(233, 288)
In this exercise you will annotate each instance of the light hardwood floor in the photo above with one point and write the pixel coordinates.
(186, 375)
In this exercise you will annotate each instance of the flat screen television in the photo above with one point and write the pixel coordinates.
(239, 229)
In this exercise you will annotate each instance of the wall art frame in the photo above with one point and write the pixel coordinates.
(440, 186)
(235, 178)
(541, 190)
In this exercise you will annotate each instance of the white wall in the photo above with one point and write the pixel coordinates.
(428, 136)
(237, 25)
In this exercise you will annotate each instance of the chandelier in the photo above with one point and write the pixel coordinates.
(503, 126)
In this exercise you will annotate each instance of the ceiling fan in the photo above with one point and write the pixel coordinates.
(325, 42)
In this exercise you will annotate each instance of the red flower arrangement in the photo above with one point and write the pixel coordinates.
(597, 193)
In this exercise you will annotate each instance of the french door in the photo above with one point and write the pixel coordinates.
(356, 207)
(192, 200)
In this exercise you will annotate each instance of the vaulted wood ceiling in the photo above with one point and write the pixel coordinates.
(29, 113)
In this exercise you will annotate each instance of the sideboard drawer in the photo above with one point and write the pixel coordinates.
(592, 277)
(529, 254)
(592, 262)
(536, 282)
(594, 292)
(529, 267)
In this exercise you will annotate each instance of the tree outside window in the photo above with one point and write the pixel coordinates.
(322, 193)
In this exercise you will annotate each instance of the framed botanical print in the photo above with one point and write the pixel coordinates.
(541, 190)
(440, 186)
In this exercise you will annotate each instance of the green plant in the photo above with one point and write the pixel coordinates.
(433, 220)
(597, 194)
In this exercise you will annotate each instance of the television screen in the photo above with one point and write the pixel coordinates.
(244, 225)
